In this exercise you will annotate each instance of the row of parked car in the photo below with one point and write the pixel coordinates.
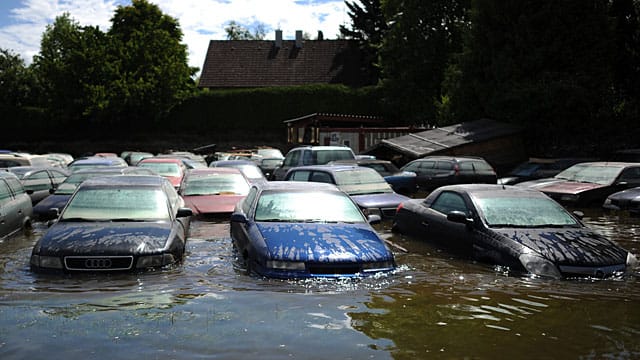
(316, 221)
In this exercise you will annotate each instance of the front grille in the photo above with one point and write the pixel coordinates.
(333, 269)
(98, 263)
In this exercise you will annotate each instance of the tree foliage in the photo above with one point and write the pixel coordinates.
(368, 27)
(236, 31)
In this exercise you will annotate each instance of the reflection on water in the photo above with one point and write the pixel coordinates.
(433, 306)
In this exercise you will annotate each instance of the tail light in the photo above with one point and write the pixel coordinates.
(400, 206)
(456, 170)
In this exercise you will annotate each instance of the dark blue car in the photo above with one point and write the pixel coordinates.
(116, 223)
(303, 230)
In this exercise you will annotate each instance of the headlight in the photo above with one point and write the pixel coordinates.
(49, 262)
(377, 266)
(540, 266)
(154, 261)
(632, 261)
(607, 201)
(286, 265)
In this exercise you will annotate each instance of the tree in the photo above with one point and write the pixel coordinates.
(235, 31)
(368, 27)
(70, 67)
(15, 81)
(150, 70)
(541, 63)
(416, 51)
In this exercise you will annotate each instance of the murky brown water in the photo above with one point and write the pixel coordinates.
(433, 307)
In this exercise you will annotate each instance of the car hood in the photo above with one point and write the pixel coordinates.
(320, 242)
(104, 238)
(628, 194)
(537, 184)
(382, 200)
(570, 246)
(570, 187)
(51, 201)
(206, 204)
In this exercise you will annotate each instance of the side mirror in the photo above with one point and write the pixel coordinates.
(53, 213)
(184, 212)
(374, 219)
(578, 214)
(52, 191)
(239, 218)
(459, 217)
(29, 192)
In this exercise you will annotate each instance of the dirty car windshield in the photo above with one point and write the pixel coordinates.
(295, 207)
(112, 203)
(360, 182)
(216, 184)
(523, 212)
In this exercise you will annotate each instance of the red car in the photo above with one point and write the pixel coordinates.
(213, 190)
(171, 168)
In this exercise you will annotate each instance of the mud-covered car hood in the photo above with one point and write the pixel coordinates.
(382, 200)
(207, 204)
(104, 238)
(570, 187)
(321, 242)
(568, 246)
(537, 184)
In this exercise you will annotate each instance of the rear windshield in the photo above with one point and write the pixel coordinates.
(322, 157)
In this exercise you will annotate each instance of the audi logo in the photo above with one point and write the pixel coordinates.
(97, 263)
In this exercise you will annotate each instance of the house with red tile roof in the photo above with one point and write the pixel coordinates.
(262, 63)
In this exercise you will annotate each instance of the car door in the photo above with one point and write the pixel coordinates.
(454, 236)
(424, 171)
(443, 174)
(6, 221)
(37, 184)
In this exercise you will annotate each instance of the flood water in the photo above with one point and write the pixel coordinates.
(207, 307)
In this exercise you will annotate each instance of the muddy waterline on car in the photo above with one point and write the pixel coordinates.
(432, 307)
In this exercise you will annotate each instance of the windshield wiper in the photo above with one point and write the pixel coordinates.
(124, 220)
(78, 219)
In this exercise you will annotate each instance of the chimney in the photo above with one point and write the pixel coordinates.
(278, 39)
(320, 35)
(299, 39)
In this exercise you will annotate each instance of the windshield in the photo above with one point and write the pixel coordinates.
(597, 174)
(523, 212)
(360, 181)
(102, 204)
(294, 207)
(162, 169)
(215, 184)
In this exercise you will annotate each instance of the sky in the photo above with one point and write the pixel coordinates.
(22, 22)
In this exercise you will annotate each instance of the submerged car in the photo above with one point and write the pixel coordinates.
(589, 184)
(39, 182)
(625, 200)
(58, 199)
(435, 171)
(312, 155)
(212, 191)
(248, 168)
(520, 228)
(365, 186)
(91, 162)
(402, 182)
(15, 205)
(116, 223)
(538, 168)
(304, 230)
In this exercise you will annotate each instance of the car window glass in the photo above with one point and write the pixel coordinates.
(307, 158)
(466, 166)
(630, 174)
(300, 175)
(444, 165)
(58, 175)
(523, 212)
(324, 156)
(412, 166)
(15, 185)
(110, 203)
(214, 184)
(39, 175)
(248, 200)
(291, 159)
(448, 202)
(321, 176)
(426, 165)
(481, 166)
(5, 193)
(294, 207)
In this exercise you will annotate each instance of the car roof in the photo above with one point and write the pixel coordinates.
(322, 147)
(125, 180)
(156, 159)
(214, 170)
(332, 168)
(295, 186)
(505, 190)
(618, 164)
(6, 174)
(449, 157)
(233, 162)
